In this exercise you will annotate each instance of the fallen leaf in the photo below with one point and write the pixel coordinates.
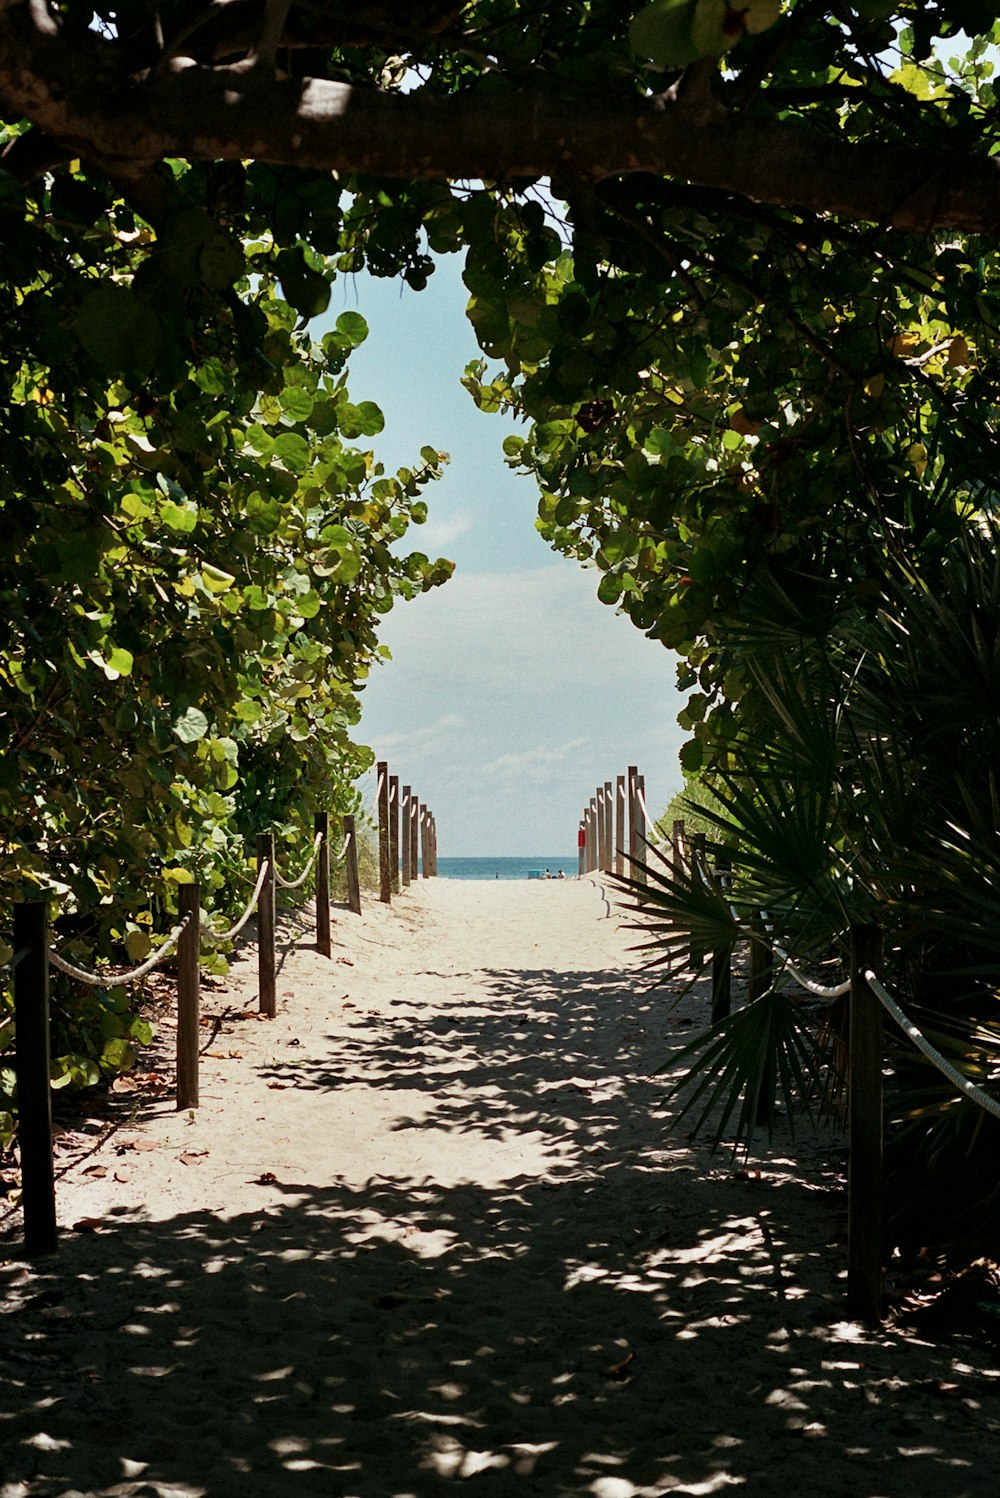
(268, 1178)
(235, 1055)
(192, 1157)
(122, 1177)
(88, 1225)
(391, 1301)
(348, 961)
(295, 1040)
(288, 993)
(278, 1086)
(620, 1371)
(124, 1084)
(95, 1170)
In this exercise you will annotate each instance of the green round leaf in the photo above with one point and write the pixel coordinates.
(352, 326)
(191, 725)
(293, 451)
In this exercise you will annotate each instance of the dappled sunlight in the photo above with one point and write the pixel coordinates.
(531, 1288)
(394, 1339)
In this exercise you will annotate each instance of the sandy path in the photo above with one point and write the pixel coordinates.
(427, 1229)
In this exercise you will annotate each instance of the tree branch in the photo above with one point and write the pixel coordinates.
(79, 92)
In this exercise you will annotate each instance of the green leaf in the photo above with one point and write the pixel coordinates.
(190, 726)
(305, 288)
(352, 326)
(296, 403)
(138, 944)
(118, 662)
(120, 333)
(182, 518)
(293, 451)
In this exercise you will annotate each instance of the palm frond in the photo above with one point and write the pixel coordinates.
(747, 1061)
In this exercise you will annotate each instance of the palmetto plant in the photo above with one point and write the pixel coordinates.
(861, 786)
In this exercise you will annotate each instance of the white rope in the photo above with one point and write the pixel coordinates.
(216, 937)
(642, 802)
(379, 784)
(814, 988)
(392, 791)
(12, 962)
(971, 1091)
(294, 883)
(116, 979)
(347, 844)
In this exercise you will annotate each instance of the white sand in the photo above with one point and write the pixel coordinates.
(427, 1228)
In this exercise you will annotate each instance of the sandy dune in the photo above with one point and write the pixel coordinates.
(427, 1229)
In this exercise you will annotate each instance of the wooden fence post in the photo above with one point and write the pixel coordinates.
(321, 829)
(188, 995)
(722, 962)
(592, 836)
(864, 1159)
(677, 839)
(32, 1068)
(602, 830)
(384, 855)
(697, 863)
(394, 831)
(267, 997)
(404, 835)
(434, 846)
(642, 827)
(620, 825)
(351, 866)
(414, 845)
(610, 826)
(760, 974)
(633, 811)
(425, 842)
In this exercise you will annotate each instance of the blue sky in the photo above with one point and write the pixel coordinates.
(512, 691)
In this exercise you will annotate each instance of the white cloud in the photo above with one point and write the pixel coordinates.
(418, 742)
(439, 532)
(542, 626)
(539, 765)
(510, 697)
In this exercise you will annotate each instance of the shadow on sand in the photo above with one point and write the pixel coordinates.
(636, 1320)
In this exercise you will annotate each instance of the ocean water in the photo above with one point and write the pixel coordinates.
(503, 868)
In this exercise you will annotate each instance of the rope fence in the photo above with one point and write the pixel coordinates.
(298, 883)
(12, 962)
(33, 958)
(614, 829)
(407, 835)
(219, 938)
(972, 1092)
(108, 977)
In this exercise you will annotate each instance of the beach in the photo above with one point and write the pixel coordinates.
(428, 1229)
